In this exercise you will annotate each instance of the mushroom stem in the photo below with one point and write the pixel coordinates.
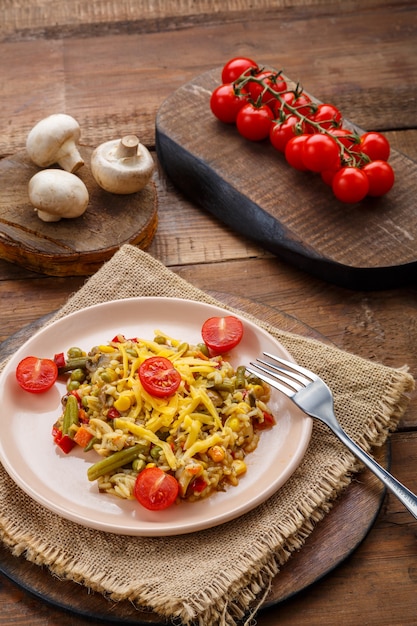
(69, 157)
(128, 147)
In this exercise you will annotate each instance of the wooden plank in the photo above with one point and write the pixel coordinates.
(114, 84)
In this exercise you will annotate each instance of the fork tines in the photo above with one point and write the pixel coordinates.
(275, 375)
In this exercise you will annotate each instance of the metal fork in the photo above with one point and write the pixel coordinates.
(311, 394)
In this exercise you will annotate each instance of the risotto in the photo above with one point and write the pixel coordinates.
(196, 426)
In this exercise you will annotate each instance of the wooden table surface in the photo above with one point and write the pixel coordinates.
(111, 65)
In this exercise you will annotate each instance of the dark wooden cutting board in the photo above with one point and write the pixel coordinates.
(250, 187)
(70, 247)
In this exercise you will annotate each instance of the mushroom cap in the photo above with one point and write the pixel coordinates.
(117, 173)
(54, 139)
(57, 193)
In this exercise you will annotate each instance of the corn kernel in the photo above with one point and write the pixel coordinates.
(123, 403)
(239, 467)
(216, 453)
(234, 424)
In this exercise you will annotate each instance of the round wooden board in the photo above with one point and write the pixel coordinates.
(332, 541)
(70, 247)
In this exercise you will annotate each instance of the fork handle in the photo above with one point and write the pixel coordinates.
(404, 495)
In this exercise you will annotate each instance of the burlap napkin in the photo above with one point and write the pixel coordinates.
(212, 577)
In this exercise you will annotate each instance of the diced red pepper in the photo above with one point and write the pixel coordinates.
(113, 414)
(268, 422)
(59, 359)
(198, 485)
(63, 441)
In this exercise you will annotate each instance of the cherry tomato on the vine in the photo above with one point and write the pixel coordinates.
(155, 489)
(269, 79)
(254, 122)
(36, 375)
(159, 377)
(345, 136)
(374, 145)
(221, 334)
(225, 104)
(328, 116)
(281, 133)
(380, 177)
(320, 152)
(294, 152)
(236, 67)
(350, 184)
(302, 103)
(328, 175)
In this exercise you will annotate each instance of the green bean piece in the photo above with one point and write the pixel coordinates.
(70, 415)
(240, 377)
(254, 380)
(115, 461)
(90, 444)
(226, 385)
(73, 364)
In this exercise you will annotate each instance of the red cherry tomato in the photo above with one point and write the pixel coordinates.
(36, 375)
(328, 175)
(155, 489)
(328, 116)
(320, 152)
(258, 90)
(159, 377)
(380, 177)
(254, 122)
(236, 67)
(221, 334)
(294, 152)
(350, 184)
(302, 103)
(225, 104)
(374, 145)
(280, 134)
(345, 136)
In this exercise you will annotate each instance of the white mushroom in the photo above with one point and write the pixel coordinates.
(54, 140)
(56, 194)
(122, 165)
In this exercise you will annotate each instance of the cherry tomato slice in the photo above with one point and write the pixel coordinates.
(221, 334)
(156, 490)
(36, 375)
(159, 377)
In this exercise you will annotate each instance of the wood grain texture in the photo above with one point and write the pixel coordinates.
(111, 65)
(70, 247)
(113, 83)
